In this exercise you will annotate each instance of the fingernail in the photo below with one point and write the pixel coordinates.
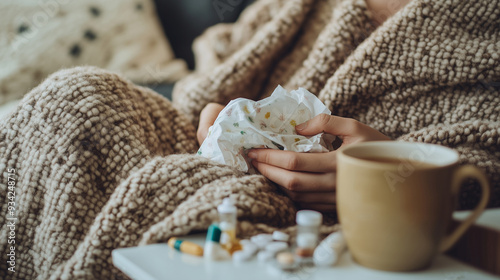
(252, 155)
(301, 126)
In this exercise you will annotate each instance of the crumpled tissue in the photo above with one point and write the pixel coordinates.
(268, 123)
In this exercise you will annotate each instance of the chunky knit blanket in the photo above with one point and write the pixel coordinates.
(97, 163)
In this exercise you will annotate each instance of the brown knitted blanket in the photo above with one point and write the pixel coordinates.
(98, 163)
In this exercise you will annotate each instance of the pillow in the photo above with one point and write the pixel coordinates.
(39, 37)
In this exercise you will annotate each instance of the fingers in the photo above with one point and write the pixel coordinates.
(349, 130)
(207, 118)
(297, 181)
(308, 162)
(329, 124)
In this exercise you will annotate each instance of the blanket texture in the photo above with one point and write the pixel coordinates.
(100, 163)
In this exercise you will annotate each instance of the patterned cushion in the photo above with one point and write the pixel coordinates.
(39, 37)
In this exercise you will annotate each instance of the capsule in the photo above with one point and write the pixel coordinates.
(185, 246)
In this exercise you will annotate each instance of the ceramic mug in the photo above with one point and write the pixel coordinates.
(395, 202)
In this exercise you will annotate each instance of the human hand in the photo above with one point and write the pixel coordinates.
(207, 118)
(309, 178)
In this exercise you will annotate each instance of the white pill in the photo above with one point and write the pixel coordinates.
(275, 247)
(280, 236)
(262, 240)
(324, 256)
(250, 247)
(241, 256)
(262, 237)
(330, 249)
(264, 256)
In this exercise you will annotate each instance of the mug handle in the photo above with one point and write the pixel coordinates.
(462, 173)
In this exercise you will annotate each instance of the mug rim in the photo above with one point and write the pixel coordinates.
(394, 146)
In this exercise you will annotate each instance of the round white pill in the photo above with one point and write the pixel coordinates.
(262, 237)
(241, 256)
(280, 236)
(250, 247)
(324, 256)
(264, 256)
(275, 247)
(261, 240)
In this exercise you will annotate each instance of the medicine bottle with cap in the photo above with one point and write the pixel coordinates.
(227, 223)
(213, 249)
(308, 222)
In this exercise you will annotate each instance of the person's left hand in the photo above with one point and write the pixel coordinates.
(309, 178)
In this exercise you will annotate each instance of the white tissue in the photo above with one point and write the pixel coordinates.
(268, 123)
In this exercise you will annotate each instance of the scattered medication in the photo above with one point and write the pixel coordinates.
(280, 236)
(185, 246)
(249, 247)
(276, 247)
(241, 256)
(261, 240)
(264, 256)
(330, 249)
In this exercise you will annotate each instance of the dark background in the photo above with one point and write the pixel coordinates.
(184, 20)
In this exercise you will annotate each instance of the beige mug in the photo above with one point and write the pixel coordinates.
(396, 199)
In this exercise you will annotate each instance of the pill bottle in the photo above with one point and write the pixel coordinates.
(308, 222)
(227, 222)
(213, 249)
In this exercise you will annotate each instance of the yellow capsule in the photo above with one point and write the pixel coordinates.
(185, 246)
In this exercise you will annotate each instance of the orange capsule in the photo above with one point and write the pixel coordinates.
(185, 246)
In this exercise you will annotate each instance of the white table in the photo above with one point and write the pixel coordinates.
(158, 261)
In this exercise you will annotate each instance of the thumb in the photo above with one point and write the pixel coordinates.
(333, 125)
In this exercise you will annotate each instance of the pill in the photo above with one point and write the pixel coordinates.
(276, 246)
(262, 240)
(330, 249)
(280, 236)
(241, 256)
(262, 237)
(185, 246)
(324, 256)
(250, 247)
(264, 256)
(285, 258)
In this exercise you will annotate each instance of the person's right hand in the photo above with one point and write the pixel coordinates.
(207, 118)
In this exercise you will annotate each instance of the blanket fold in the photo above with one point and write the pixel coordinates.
(103, 164)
